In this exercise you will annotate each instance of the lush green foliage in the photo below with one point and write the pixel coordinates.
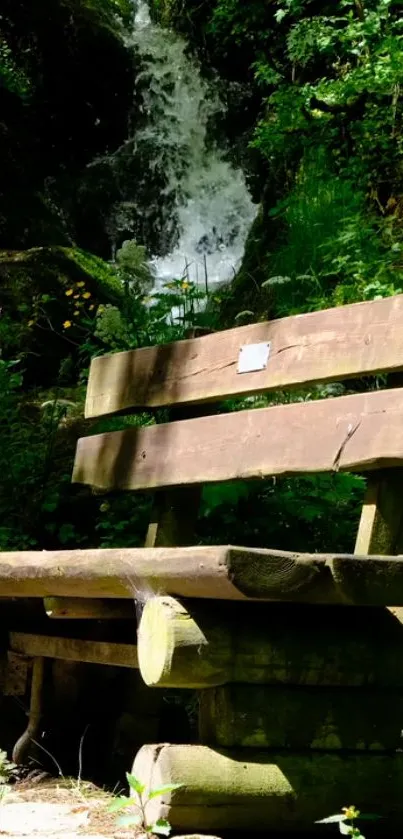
(38, 429)
(333, 122)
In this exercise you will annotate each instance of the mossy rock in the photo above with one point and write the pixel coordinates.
(246, 301)
(41, 292)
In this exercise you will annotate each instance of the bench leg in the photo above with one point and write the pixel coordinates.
(34, 715)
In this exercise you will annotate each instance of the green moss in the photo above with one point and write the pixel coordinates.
(48, 268)
(96, 270)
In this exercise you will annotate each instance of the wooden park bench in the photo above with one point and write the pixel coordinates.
(298, 660)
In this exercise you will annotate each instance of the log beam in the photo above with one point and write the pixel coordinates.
(261, 716)
(201, 646)
(249, 790)
(222, 572)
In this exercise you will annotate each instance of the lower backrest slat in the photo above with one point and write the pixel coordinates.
(349, 433)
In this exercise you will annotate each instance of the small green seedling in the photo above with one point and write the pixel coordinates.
(346, 821)
(137, 806)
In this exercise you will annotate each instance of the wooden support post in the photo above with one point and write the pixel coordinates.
(175, 510)
(381, 521)
(249, 790)
(202, 646)
(173, 518)
(261, 716)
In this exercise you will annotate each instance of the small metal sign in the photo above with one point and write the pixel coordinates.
(253, 357)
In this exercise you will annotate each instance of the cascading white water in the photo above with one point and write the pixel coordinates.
(208, 197)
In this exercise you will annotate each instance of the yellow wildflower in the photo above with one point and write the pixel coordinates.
(351, 812)
(69, 292)
(91, 307)
(76, 314)
(31, 322)
(185, 285)
(67, 324)
(80, 285)
(87, 295)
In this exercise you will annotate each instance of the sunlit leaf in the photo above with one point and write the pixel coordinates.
(129, 820)
(135, 784)
(120, 804)
(163, 790)
(332, 819)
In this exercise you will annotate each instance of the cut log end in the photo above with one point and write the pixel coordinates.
(166, 635)
(148, 767)
(155, 641)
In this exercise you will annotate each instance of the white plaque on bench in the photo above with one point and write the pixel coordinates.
(253, 357)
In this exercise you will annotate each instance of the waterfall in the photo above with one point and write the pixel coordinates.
(199, 200)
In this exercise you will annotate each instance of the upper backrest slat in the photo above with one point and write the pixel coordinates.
(331, 345)
(358, 432)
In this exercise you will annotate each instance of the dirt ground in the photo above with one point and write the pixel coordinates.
(58, 809)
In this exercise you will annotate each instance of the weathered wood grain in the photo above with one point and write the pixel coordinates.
(197, 646)
(115, 572)
(261, 716)
(74, 649)
(224, 572)
(260, 791)
(358, 432)
(321, 346)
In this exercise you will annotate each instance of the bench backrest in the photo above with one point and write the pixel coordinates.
(356, 432)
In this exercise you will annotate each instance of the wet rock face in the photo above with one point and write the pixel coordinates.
(68, 103)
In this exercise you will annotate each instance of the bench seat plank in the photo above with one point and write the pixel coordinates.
(223, 572)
